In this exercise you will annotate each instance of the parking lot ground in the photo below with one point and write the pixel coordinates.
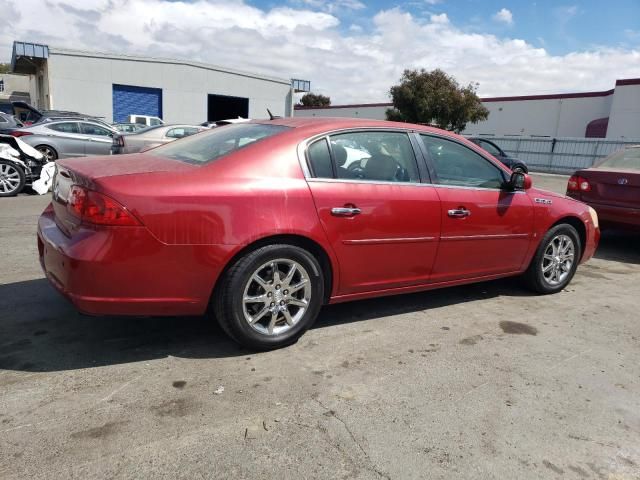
(482, 381)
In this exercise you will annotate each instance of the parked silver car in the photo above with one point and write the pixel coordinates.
(152, 137)
(64, 138)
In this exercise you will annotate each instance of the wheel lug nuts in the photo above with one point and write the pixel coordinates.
(269, 294)
(281, 302)
(277, 287)
(286, 292)
(273, 304)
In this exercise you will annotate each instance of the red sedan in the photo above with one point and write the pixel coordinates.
(262, 223)
(612, 188)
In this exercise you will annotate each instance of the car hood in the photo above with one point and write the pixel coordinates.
(116, 165)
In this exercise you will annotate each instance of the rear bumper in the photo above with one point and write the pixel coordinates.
(127, 271)
(624, 217)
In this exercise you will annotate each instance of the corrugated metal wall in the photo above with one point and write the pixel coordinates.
(131, 100)
(559, 155)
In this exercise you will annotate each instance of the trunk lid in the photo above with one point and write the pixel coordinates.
(620, 188)
(116, 165)
(89, 171)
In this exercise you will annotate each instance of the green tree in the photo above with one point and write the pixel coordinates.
(435, 98)
(315, 100)
(5, 67)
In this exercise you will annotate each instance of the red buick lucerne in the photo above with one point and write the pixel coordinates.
(259, 224)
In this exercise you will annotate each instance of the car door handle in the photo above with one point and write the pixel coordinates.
(345, 211)
(459, 213)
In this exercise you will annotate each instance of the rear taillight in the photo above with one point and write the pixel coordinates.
(18, 133)
(578, 184)
(97, 208)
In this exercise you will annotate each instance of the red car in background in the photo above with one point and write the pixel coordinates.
(261, 224)
(612, 188)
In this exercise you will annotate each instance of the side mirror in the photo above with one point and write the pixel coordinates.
(519, 181)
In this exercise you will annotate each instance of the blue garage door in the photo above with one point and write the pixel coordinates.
(131, 100)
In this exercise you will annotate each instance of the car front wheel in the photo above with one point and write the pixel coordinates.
(12, 179)
(269, 297)
(555, 261)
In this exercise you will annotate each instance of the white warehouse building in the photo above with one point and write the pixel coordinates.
(611, 114)
(113, 86)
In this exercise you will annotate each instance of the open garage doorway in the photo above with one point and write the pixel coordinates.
(223, 107)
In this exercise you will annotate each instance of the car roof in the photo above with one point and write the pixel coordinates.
(319, 124)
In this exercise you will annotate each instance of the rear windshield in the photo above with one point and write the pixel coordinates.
(627, 159)
(210, 145)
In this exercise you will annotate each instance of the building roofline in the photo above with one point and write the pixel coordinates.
(628, 81)
(134, 58)
(552, 96)
(354, 105)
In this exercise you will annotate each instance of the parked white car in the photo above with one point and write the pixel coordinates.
(147, 120)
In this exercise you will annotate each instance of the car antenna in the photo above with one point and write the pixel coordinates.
(272, 116)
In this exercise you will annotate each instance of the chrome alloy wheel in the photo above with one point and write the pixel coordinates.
(558, 259)
(276, 296)
(9, 178)
(48, 153)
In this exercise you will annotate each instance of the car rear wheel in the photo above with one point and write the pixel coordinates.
(12, 179)
(47, 152)
(519, 168)
(556, 260)
(269, 297)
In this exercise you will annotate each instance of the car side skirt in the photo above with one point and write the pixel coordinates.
(419, 288)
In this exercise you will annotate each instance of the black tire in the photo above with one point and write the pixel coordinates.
(534, 276)
(12, 179)
(229, 308)
(49, 153)
(520, 168)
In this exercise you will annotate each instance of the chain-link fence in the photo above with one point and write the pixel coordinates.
(559, 155)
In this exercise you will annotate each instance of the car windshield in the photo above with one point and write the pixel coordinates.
(627, 159)
(213, 144)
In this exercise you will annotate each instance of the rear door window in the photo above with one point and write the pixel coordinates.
(181, 132)
(91, 129)
(65, 127)
(489, 148)
(375, 155)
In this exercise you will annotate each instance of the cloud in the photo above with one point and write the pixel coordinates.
(332, 6)
(351, 65)
(433, 2)
(441, 18)
(504, 16)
